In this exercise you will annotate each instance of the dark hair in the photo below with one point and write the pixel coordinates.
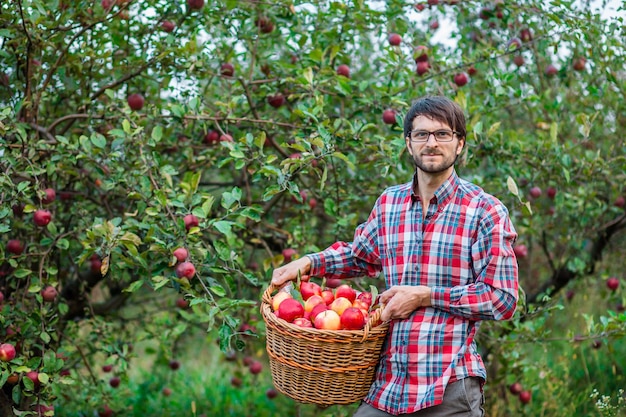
(438, 108)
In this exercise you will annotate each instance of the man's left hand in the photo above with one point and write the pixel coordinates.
(402, 300)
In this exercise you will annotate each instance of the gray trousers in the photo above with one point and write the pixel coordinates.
(461, 398)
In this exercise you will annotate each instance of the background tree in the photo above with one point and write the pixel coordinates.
(249, 133)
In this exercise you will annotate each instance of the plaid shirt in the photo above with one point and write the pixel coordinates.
(463, 250)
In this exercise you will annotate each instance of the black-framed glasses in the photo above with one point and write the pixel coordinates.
(441, 135)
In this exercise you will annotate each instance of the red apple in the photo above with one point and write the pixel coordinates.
(526, 35)
(195, 4)
(265, 25)
(185, 269)
(290, 309)
(328, 296)
(135, 101)
(227, 69)
(515, 388)
(346, 291)
(394, 39)
(308, 289)
(271, 393)
(521, 251)
(235, 381)
(174, 365)
(105, 411)
(612, 283)
(420, 54)
(420, 7)
(279, 298)
(107, 4)
(312, 203)
(535, 192)
(312, 302)
(422, 67)
(95, 264)
(42, 217)
(303, 322)
(344, 70)
(182, 303)
(434, 24)
(460, 79)
(226, 138)
(107, 368)
(191, 221)
(15, 247)
(352, 319)
(365, 297)
(514, 43)
(525, 397)
(212, 137)
(168, 26)
(33, 376)
(551, 70)
(472, 71)
(518, 60)
(389, 117)
(579, 64)
(49, 294)
(7, 352)
(327, 320)
(288, 254)
(276, 101)
(255, 367)
(181, 254)
(167, 391)
(50, 196)
(619, 202)
(316, 310)
(115, 381)
(551, 192)
(340, 305)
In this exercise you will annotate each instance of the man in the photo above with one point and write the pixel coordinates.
(445, 248)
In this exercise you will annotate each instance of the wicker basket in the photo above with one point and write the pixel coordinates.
(323, 367)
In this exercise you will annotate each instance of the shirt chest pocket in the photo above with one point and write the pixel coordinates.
(401, 265)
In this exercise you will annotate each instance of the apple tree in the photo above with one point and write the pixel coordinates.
(159, 157)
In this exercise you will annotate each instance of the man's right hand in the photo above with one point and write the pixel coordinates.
(290, 271)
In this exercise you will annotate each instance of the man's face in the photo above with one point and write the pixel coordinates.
(431, 156)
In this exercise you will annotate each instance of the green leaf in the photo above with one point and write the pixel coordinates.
(98, 140)
(134, 286)
(217, 290)
(157, 133)
(21, 273)
(45, 337)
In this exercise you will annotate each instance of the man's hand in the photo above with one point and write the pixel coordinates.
(290, 271)
(402, 300)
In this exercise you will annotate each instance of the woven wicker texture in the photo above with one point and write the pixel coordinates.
(323, 367)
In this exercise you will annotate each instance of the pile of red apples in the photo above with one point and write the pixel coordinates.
(308, 304)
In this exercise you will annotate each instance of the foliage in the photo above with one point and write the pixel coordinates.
(277, 151)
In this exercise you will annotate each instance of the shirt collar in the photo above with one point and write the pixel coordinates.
(443, 193)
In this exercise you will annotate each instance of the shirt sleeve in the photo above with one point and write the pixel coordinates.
(351, 259)
(494, 293)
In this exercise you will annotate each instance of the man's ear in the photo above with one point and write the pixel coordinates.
(462, 143)
(407, 143)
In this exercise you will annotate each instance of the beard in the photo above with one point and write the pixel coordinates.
(434, 167)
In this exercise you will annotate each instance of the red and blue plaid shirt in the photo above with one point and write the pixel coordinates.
(463, 250)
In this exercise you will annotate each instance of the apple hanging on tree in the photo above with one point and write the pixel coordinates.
(389, 117)
(135, 101)
(42, 217)
(343, 70)
(7, 352)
